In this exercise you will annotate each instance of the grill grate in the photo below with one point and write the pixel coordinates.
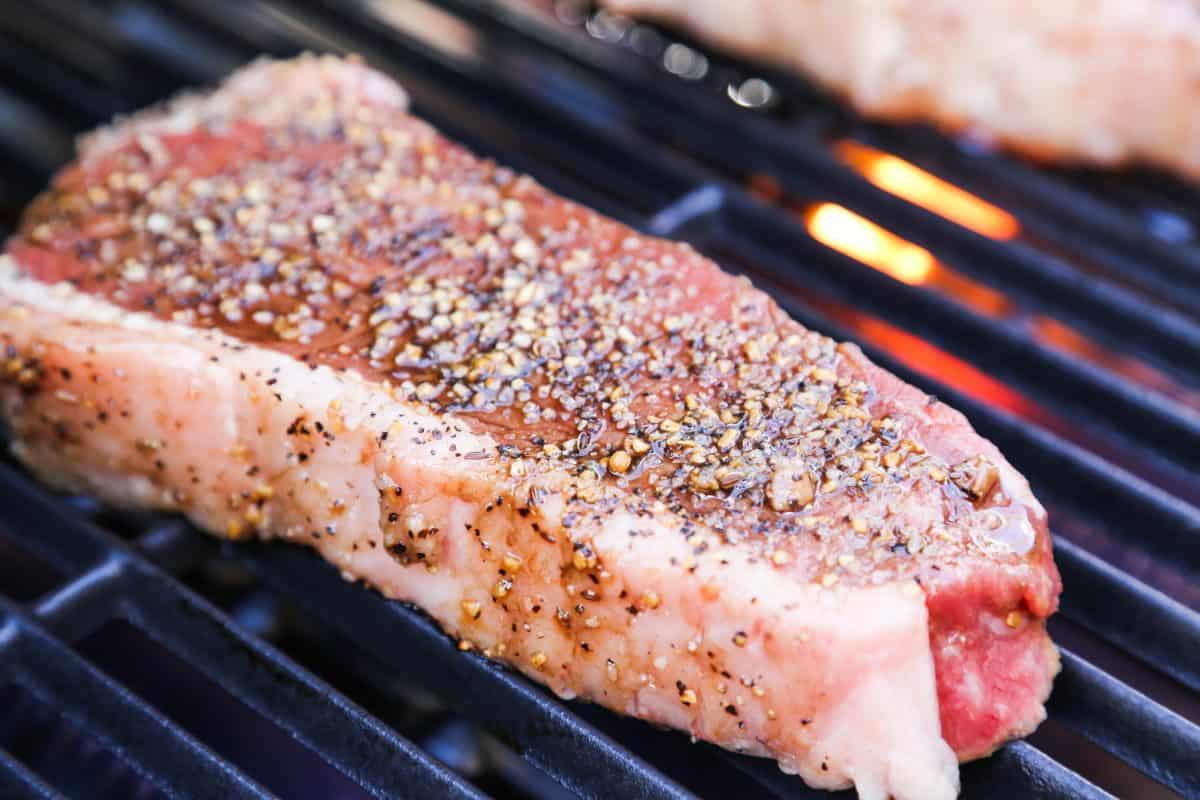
(586, 106)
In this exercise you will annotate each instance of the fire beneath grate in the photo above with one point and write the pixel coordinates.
(1059, 309)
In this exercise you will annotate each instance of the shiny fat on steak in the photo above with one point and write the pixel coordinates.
(288, 309)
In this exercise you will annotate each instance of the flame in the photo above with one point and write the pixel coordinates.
(906, 180)
(927, 359)
(859, 238)
(1056, 334)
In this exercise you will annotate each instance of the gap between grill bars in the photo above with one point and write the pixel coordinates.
(651, 187)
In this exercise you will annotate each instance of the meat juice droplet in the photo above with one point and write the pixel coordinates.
(1016, 532)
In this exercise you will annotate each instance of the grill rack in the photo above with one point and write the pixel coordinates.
(70, 64)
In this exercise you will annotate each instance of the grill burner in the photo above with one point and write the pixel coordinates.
(139, 659)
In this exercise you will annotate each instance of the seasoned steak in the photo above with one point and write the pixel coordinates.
(1094, 81)
(290, 310)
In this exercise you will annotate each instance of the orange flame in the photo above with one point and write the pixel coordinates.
(906, 180)
(859, 238)
(927, 359)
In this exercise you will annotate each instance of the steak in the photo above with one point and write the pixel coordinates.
(1097, 81)
(290, 310)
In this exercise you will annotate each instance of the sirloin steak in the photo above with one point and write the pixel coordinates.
(1091, 81)
(289, 309)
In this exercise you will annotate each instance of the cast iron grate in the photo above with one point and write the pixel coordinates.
(273, 636)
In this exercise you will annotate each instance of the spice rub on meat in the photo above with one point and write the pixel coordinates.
(289, 309)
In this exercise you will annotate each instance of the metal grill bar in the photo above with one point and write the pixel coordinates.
(151, 743)
(547, 734)
(1053, 209)
(1018, 770)
(1021, 770)
(359, 745)
(1128, 724)
(54, 83)
(19, 783)
(356, 744)
(1149, 625)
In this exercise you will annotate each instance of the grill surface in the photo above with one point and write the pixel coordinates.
(140, 659)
